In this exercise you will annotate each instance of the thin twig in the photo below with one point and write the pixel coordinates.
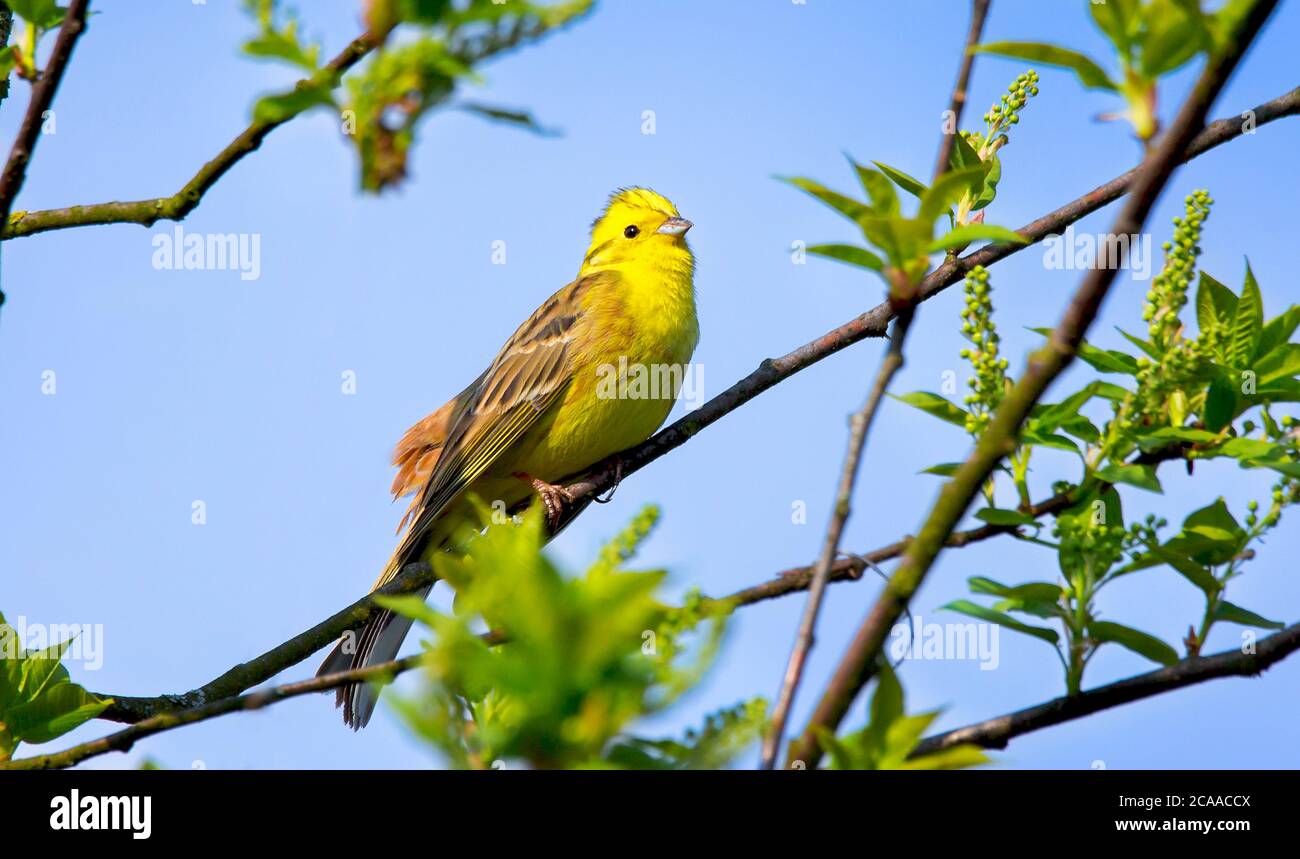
(905, 303)
(248, 674)
(996, 733)
(124, 739)
(11, 181)
(184, 201)
(858, 663)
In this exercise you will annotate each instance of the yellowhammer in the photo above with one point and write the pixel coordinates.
(539, 412)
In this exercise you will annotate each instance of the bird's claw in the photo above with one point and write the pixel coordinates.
(554, 498)
(618, 478)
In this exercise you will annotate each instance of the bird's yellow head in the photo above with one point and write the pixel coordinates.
(640, 228)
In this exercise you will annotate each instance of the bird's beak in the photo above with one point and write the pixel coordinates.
(675, 227)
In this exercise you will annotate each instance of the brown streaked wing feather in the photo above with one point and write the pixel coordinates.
(417, 453)
(527, 378)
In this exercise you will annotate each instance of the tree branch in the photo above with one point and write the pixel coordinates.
(123, 740)
(11, 181)
(248, 674)
(858, 663)
(184, 201)
(996, 733)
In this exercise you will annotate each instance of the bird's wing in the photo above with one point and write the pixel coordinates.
(417, 453)
(528, 377)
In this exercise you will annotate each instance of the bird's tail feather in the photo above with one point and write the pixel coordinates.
(378, 642)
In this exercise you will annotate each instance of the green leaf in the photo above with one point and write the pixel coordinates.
(970, 609)
(1248, 323)
(959, 237)
(909, 184)
(846, 206)
(1221, 404)
(1089, 73)
(1170, 38)
(284, 106)
(943, 469)
(1135, 640)
(952, 758)
(44, 14)
(936, 405)
(1216, 306)
(963, 155)
(1118, 19)
(1250, 448)
(1145, 345)
(948, 190)
(1196, 573)
(1165, 436)
(851, 254)
(284, 45)
(1002, 516)
(1032, 436)
(1141, 476)
(1278, 330)
(1042, 592)
(1216, 522)
(1282, 362)
(879, 189)
(1236, 614)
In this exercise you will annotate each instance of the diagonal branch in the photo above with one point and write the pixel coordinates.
(123, 740)
(996, 733)
(858, 663)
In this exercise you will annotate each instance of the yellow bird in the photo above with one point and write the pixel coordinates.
(549, 406)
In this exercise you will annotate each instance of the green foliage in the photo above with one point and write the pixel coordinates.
(39, 17)
(1189, 394)
(902, 245)
(890, 737)
(583, 658)
(1150, 38)
(440, 45)
(38, 700)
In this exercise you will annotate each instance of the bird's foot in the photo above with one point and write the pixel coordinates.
(553, 497)
(618, 478)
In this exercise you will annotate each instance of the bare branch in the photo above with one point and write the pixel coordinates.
(858, 663)
(996, 733)
(124, 739)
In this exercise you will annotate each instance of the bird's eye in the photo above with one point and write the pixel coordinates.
(631, 231)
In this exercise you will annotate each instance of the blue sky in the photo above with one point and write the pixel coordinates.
(176, 386)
